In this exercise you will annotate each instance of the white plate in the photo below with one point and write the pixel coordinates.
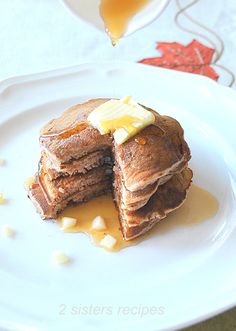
(89, 12)
(190, 271)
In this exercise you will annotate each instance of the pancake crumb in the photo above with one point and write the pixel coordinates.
(61, 190)
(2, 162)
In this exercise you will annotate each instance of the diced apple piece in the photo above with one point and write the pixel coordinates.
(68, 223)
(1, 198)
(7, 231)
(98, 223)
(59, 257)
(108, 242)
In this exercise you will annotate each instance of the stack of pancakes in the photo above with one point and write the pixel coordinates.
(148, 174)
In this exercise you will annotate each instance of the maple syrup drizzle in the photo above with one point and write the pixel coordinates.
(34, 185)
(199, 206)
(67, 132)
(116, 15)
(141, 140)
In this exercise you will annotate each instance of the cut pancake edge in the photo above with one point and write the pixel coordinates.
(49, 210)
(141, 223)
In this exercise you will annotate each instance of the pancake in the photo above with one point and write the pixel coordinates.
(70, 137)
(50, 210)
(161, 151)
(79, 166)
(166, 199)
(62, 187)
(148, 174)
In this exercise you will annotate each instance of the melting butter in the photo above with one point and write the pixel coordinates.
(124, 118)
(116, 15)
(199, 206)
(125, 121)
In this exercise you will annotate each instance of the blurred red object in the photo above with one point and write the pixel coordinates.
(194, 57)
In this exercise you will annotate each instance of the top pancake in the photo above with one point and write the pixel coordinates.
(161, 152)
(70, 137)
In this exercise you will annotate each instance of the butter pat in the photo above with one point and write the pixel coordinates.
(124, 118)
(68, 223)
(2, 162)
(98, 223)
(108, 242)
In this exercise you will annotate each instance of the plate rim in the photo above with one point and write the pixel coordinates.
(70, 69)
(5, 84)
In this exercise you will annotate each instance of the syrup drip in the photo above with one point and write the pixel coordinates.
(66, 133)
(116, 15)
(141, 140)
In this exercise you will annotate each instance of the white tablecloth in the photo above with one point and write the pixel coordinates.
(43, 35)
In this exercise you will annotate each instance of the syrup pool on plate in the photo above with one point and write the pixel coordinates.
(85, 214)
(116, 15)
(199, 206)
